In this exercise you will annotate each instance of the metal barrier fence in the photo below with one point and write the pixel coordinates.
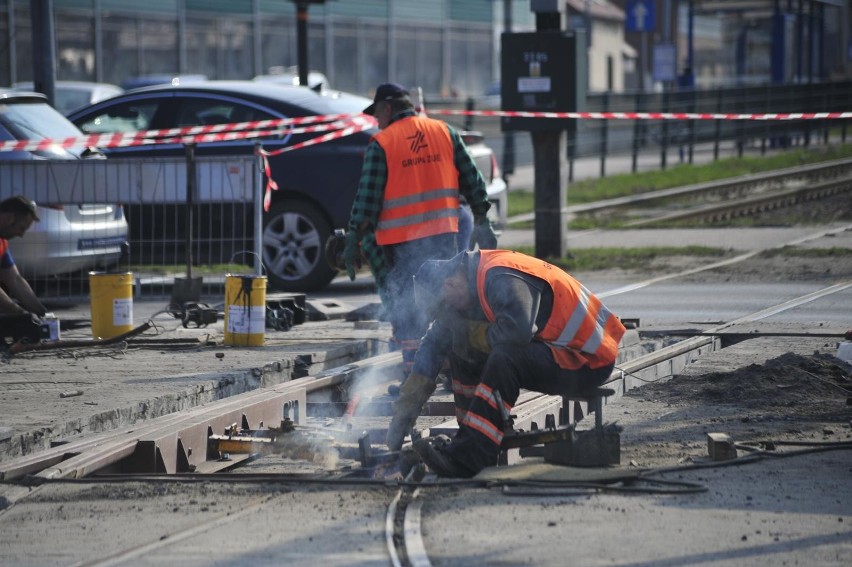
(174, 227)
(605, 138)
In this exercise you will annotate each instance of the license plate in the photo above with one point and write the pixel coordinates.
(105, 242)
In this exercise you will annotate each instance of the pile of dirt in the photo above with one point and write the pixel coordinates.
(807, 383)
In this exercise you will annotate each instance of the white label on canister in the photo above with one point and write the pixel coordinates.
(122, 312)
(52, 324)
(246, 320)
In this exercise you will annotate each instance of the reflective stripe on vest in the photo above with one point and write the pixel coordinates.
(578, 320)
(481, 424)
(421, 195)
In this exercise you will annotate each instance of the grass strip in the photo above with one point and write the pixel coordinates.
(589, 190)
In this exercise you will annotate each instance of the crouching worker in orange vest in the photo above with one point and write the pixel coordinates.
(506, 321)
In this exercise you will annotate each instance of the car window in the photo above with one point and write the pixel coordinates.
(203, 111)
(125, 117)
(71, 99)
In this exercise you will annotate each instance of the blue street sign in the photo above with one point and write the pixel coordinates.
(640, 16)
(664, 62)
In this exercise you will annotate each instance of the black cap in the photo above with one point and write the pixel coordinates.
(19, 205)
(387, 91)
(430, 278)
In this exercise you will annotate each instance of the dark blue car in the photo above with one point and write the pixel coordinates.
(316, 184)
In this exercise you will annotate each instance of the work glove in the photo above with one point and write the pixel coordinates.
(412, 395)
(26, 326)
(483, 234)
(352, 254)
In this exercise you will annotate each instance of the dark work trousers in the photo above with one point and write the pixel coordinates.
(506, 370)
(409, 323)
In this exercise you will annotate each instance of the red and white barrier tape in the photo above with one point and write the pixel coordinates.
(358, 124)
(342, 125)
(261, 128)
(249, 134)
(190, 134)
(650, 115)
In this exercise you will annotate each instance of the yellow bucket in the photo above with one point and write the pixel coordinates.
(111, 297)
(245, 310)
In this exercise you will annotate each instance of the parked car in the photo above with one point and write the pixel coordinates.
(69, 237)
(317, 184)
(71, 95)
(490, 98)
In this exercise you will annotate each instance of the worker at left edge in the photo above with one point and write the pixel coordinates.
(17, 298)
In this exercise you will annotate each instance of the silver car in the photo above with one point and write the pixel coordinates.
(71, 95)
(69, 237)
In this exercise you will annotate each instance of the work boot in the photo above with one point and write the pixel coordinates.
(408, 459)
(438, 461)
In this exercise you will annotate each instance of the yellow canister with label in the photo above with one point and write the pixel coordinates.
(111, 297)
(245, 310)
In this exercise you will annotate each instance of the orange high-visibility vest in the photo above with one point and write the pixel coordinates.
(422, 192)
(580, 329)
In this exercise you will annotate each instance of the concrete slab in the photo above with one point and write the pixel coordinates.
(166, 370)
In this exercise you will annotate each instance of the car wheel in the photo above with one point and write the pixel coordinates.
(294, 234)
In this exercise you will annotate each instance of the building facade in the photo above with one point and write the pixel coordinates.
(445, 46)
(448, 47)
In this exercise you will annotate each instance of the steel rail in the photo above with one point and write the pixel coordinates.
(164, 444)
(722, 263)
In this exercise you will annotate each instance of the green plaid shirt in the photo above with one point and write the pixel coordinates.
(371, 190)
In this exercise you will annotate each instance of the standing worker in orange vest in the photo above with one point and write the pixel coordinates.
(506, 321)
(408, 199)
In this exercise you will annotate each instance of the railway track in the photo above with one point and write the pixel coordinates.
(726, 199)
(175, 448)
(97, 460)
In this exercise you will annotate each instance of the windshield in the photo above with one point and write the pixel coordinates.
(36, 121)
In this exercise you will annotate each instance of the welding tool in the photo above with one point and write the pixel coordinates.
(280, 318)
(240, 440)
(197, 314)
(334, 247)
